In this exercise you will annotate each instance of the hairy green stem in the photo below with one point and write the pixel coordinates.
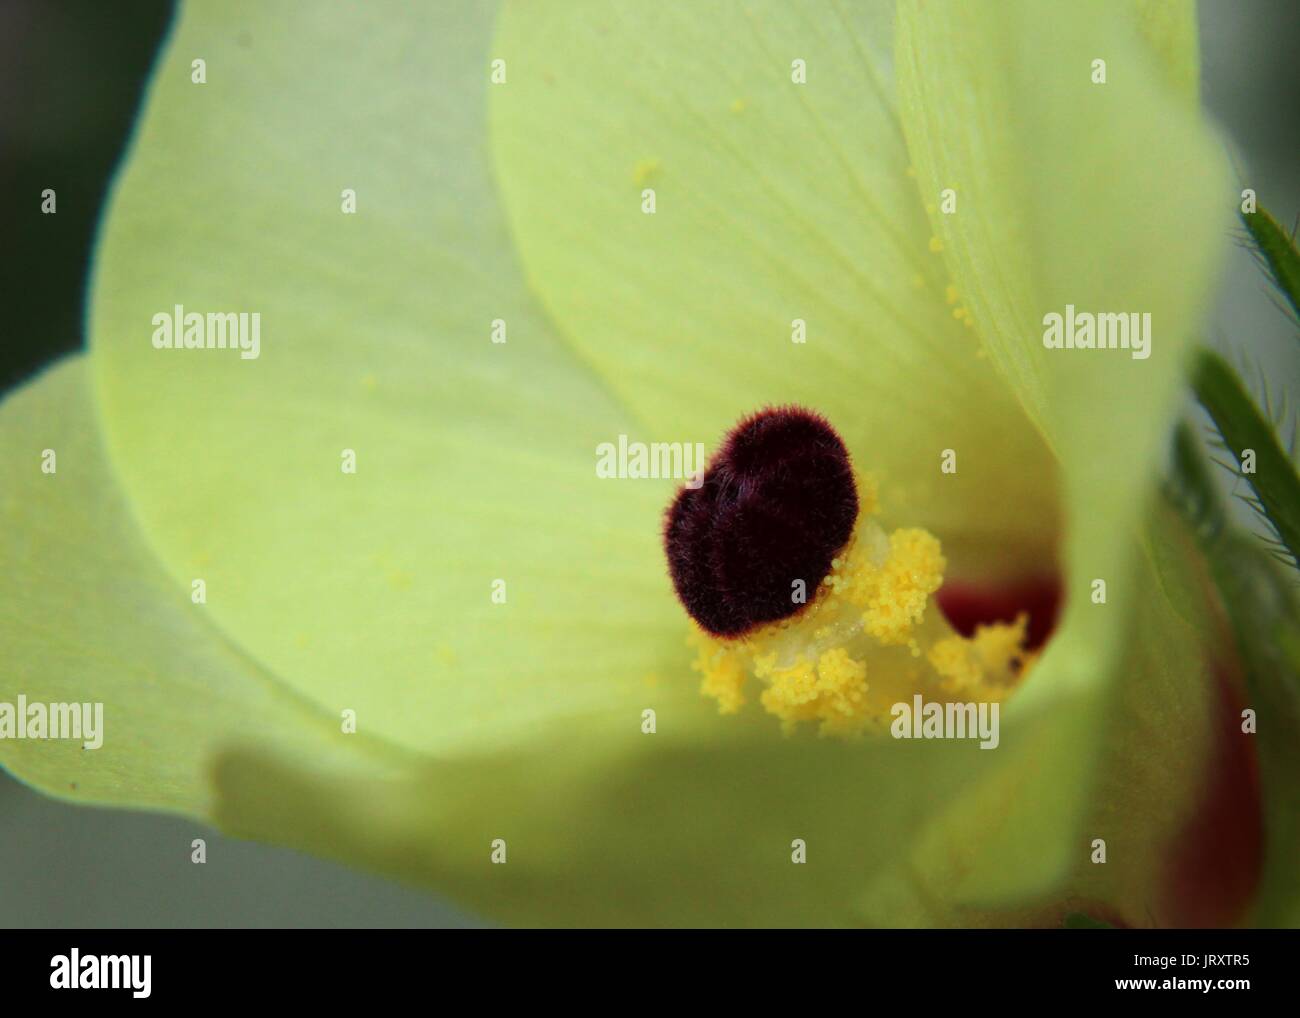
(1260, 603)
(1279, 252)
(1252, 440)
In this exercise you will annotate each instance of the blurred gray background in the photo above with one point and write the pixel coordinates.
(70, 77)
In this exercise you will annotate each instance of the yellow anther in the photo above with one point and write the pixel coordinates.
(871, 614)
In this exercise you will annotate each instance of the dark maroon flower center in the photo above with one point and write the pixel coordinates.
(751, 544)
(967, 606)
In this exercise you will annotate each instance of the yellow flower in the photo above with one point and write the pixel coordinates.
(579, 221)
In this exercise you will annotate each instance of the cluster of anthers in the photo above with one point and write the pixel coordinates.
(795, 586)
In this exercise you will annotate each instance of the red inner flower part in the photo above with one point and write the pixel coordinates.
(968, 605)
(776, 504)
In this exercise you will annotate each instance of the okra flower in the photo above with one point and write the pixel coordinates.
(364, 594)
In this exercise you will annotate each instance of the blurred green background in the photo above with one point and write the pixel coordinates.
(71, 76)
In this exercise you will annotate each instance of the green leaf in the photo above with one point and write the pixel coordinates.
(1278, 251)
(1247, 431)
(1264, 613)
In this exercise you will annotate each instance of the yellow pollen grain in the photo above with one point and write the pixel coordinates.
(722, 672)
(936, 245)
(985, 665)
(868, 493)
(950, 294)
(897, 594)
(644, 171)
(833, 693)
(399, 579)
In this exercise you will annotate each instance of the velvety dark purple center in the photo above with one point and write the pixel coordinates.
(777, 503)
